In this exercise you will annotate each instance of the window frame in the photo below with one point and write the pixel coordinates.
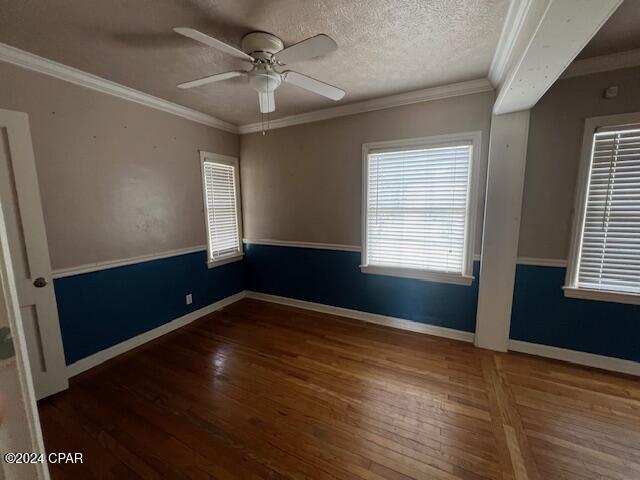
(466, 276)
(233, 162)
(571, 288)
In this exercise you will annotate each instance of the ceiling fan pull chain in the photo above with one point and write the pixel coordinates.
(262, 113)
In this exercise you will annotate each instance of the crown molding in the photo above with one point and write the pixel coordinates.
(39, 64)
(417, 96)
(73, 75)
(603, 63)
(513, 24)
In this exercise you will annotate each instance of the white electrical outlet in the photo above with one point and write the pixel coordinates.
(189, 299)
(611, 92)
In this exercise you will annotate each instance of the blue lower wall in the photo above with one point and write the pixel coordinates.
(542, 314)
(333, 277)
(100, 309)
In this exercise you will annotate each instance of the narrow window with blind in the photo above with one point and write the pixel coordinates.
(418, 208)
(607, 253)
(221, 208)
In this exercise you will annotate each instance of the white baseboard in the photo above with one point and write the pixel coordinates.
(573, 356)
(102, 356)
(394, 322)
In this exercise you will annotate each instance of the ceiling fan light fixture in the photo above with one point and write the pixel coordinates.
(264, 79)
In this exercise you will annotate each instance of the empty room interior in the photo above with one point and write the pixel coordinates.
(320, 239)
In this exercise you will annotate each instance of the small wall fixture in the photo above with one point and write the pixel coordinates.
(610, 92)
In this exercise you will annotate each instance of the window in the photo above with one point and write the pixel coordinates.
(220, 182)
(419, 207)
(605, 258)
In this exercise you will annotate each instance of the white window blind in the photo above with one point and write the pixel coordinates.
(609, 256)
(417, 207)
(221, 209)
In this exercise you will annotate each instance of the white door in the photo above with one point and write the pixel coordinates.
(19, 423)
(20, 198)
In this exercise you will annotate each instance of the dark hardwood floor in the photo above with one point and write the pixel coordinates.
(265, 391)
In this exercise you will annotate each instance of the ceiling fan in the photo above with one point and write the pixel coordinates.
(267, 55)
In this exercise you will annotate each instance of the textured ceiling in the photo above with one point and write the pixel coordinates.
(385, 46)
(619, 34)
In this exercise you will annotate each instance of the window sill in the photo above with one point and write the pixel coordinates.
(236, 257)
(602, 295)
(441, 277)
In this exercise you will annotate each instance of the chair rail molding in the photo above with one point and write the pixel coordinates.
(105, 265)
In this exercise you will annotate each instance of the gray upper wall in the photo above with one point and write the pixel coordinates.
(304, 183)
(553, 155)
(117, 179)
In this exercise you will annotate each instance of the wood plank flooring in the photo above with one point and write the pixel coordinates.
(259, 390)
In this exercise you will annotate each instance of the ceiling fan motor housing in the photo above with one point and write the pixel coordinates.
(261, 42)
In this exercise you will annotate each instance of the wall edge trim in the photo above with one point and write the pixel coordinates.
(417, 96)
(537, 67)
(602, 63)
(79, 77)
(394, 322)
(94, 267)
(102, 356)
(603, 362)
(510, 30)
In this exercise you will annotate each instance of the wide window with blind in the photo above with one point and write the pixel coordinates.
(419, 206)
(220, 187)
(605, 260)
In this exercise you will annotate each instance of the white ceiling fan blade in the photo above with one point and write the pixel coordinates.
(212, 42)
(306, 49)
(212, 78)
(267, 102)
(313, 85)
